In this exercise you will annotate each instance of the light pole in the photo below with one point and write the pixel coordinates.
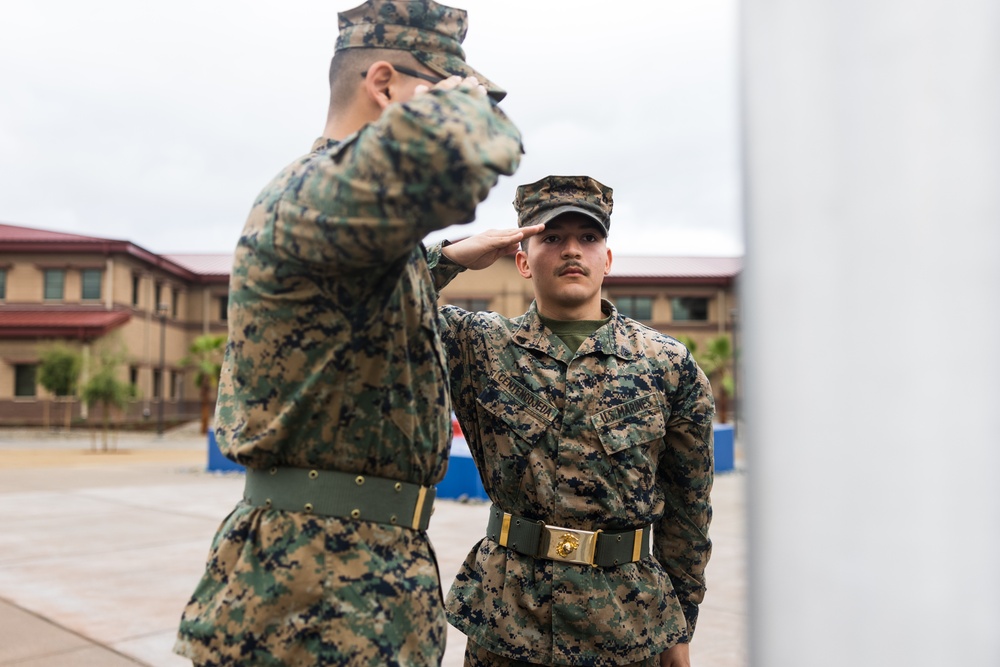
(161, 309)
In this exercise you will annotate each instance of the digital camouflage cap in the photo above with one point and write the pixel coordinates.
(433, 33)
(539, 202)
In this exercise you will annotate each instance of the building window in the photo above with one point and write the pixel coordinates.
(133, 377)
(636, 307)
(135, 290)
(55, 280)
(157, 296)
(689, 308)
(24, 379)
(174, 383)
(3, 283)
(472, 305)
(224, 308)
(90, 281)
(175, 297)
(157, 383)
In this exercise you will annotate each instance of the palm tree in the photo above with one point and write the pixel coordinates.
(205, 356)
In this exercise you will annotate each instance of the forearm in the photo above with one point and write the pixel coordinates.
(443, 271)
(421, 166)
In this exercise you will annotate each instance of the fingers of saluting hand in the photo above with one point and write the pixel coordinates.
(531, 230)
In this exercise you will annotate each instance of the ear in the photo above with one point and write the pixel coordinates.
(607, 263)
(377, 82)
(521, 260)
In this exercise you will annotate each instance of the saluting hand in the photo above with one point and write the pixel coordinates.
(469, 83)
(481, 250)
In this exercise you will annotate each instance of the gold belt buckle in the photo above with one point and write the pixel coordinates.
(567, 545)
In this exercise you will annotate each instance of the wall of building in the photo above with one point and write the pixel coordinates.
(197, 313)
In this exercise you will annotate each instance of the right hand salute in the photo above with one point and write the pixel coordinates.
(482, 250)
(469, 83)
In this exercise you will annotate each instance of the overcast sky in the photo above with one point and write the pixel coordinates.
(159, 123)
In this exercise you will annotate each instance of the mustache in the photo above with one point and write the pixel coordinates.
(572, 265)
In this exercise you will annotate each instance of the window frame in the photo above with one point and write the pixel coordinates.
(84, 273)
(46, 274)
(675, 301)
(18, 369)
(627, 306)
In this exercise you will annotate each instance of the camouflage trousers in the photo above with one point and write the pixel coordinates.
(289, 589)
(477, 656)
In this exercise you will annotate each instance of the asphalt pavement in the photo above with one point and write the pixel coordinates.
(99, 551)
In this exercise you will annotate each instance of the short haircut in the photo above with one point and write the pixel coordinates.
(347, 66)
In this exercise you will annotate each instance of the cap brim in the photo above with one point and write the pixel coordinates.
(545, 217)
(449, 65)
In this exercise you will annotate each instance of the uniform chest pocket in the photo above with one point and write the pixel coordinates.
(630, 424)
(517, 409)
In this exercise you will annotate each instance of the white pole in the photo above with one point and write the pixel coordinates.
(871, 346)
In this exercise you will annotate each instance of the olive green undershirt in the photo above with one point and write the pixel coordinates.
(573, 332)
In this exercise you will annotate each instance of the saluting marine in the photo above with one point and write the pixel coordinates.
(593, 437)
(333, 389)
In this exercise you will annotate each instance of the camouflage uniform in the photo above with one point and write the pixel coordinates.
(334, 362)
(614, 436)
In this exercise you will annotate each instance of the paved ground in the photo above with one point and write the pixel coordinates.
(100, 551)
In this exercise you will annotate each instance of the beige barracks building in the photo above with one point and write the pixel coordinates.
(93, 293)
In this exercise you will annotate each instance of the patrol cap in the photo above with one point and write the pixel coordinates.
(539, 202)
(433, 33)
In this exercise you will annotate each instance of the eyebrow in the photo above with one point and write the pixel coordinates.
(556, 225)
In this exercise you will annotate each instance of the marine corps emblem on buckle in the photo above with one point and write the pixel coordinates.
(567, 545)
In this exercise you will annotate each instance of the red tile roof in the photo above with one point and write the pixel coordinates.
(17, 233)
(675, 267)
(205, 264)
(15, 238)
(80, 324)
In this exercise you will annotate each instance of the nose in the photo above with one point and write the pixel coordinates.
(571, 248)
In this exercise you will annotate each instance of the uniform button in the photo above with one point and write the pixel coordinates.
(309, 508)
(619, 538)
(398, 487)
(313, 474)
(273, 471)
(392, 519)
(359, 480)
(517, 523)
(355, 514)
(267, 503)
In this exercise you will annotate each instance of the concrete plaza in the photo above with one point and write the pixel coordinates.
(100, 551)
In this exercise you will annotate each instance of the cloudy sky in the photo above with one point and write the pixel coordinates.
(159, 123)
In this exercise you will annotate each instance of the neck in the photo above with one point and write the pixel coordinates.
(590, 310)
(342, 125)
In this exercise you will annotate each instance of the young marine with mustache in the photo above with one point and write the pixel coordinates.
(593, 437)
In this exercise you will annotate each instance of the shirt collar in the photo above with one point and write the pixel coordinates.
(611, 339)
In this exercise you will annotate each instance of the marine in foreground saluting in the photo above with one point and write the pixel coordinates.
(333, 387)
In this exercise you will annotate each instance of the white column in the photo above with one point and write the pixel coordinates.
(109, 283)
(871, 347)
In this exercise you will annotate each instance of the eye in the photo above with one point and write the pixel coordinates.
(550, 238)
(590, 238)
